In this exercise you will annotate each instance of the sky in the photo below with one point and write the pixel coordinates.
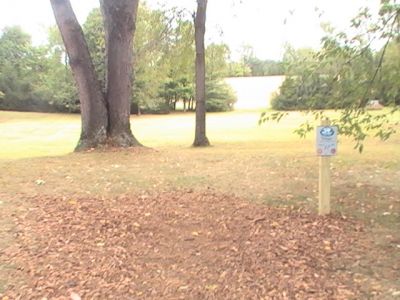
(257, 23)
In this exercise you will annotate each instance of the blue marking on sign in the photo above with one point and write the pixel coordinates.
(327, 131)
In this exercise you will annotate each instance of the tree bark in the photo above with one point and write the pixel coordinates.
(119, 22)
(93, 104)
(200, 139)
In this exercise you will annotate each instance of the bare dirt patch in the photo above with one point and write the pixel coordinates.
(179, 245)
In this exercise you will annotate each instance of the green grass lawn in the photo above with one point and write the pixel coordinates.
(265, 163)
(242, 152)
(24, 135)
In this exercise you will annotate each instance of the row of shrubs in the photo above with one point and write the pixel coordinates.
(220, 97)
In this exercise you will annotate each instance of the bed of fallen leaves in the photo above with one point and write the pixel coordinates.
(178, 245)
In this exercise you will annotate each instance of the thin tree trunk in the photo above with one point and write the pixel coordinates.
(119, 22)
(200, 139)
(191, 104)
(93, 104)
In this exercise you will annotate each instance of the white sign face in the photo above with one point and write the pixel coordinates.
(327, 140)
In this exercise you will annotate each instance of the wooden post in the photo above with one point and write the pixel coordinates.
(324, 181)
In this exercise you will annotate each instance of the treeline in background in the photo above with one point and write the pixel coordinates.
(346, 71)
(38, 78)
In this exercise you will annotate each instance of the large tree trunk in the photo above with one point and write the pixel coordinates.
(119, 22)
(200, 138)
(93, 104)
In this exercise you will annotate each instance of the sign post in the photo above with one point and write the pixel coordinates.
(326, 147)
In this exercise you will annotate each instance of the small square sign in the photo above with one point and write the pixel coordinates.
(327, 140)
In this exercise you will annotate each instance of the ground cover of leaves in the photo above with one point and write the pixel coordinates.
(178, 245)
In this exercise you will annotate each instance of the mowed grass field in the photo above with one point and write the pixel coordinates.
(267, 164)
(257, 162)
(32, 135)
(26, 135)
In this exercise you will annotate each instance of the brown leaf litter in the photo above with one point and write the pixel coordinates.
(178, 245)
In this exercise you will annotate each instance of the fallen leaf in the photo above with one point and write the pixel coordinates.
(211, 287)
(75, 296)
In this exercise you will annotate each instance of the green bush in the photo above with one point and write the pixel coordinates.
(302, 93)
(220, 97)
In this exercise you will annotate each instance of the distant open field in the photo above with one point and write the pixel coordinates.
(255, 92)
(228, 207)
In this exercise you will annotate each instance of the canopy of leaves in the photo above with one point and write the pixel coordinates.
(40, 79)
(250, 65)
(346, 74)
(33, 78)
